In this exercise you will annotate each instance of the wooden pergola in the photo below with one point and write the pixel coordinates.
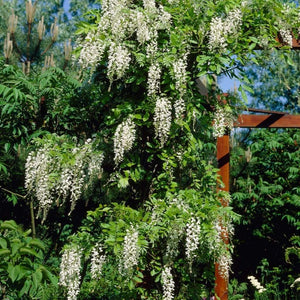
(269, 119)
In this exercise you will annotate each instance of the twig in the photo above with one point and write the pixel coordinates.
(13, 193)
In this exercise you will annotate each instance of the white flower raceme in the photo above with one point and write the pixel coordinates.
(37, 170)
(224, 263)
(223, 120)
(168, 284)
(49, 176)
(164, 19)
(180, 76)
(143, 32)
(192, 238)
(123, 139)
(220, 29)
(233, 21)
(77, 182)
(118, 61)
(97, 262)
(69, 276)
(256, 284)
(114, 20)
(217, 39)
(179, 107)
(153, 82)
(95, 166)
(149, 5)
(286, 34)
(131, 250)
(152, 48)
(162, 119)
(92, 50)
(66, 182)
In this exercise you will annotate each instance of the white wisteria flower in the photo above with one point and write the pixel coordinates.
(180, 76)
(152, 48)
(168, 283)
(220, 29)
(193, 229)
(162, 119)
(223, 120)
(233, 22)
(153, 82)
(256, 284)
(118, 61)
(143, 32)
(217, 37)
(97, 261)
(123, 139)
(131, 250)
(49, 176)
(149, 5)
(286, 34)
(69, 276)
(37, 180)
(224, 263)
(92, 50)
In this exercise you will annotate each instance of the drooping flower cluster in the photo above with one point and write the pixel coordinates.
(224, 263)
(286, 35)
(131, 250)
(143, 33)
(193, 229)
(168, 284)
(256, 284)
(118, 61)
(162, 119)
(153, 82)
(97, 262)
(180, 76)
(37, 169)
(119, 21)
(50, 177)
(92, 51)
(123, 139)
(220, 29)
(69, 276)
(223, 120)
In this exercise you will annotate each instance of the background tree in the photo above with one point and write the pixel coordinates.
(265, 177)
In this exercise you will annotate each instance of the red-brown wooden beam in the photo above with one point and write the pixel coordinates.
(221, 283)
(268, 121)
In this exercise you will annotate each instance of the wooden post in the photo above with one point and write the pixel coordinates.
(221, 284)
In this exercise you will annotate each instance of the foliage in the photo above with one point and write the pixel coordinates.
(154, 208)
(23, 274)
(266, 195)
(30, 106)
(273, 81)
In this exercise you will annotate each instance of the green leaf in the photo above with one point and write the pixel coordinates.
(13, 272)
(37, 278)
(4, 252)
(29, 251)
(25, 288)
(3, 243)
(37, 243)
(11, 224)
(47, 275)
